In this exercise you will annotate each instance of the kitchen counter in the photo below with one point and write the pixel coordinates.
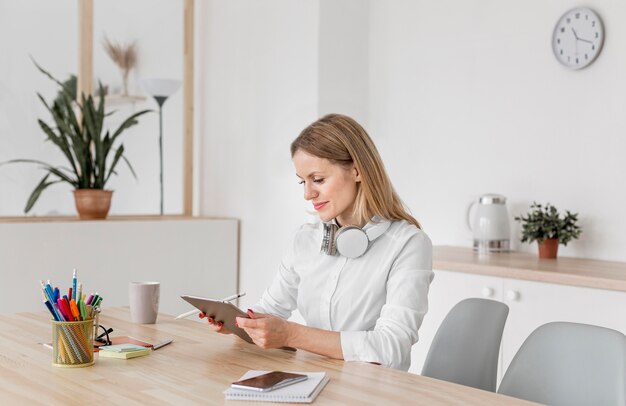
(589, 273)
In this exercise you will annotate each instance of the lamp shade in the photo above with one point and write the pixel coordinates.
(160, 87)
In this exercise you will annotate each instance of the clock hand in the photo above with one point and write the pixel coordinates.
(585, 40)
(575, 36)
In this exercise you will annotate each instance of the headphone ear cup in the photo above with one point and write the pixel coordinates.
(351, 242)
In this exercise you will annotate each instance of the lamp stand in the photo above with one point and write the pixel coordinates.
(160, 100)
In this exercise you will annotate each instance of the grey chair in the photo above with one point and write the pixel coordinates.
(569, 364)
(467, 344)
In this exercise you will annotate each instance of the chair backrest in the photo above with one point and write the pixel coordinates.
(569, 364)
(467, 344)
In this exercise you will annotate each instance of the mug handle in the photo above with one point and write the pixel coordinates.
(467, 218)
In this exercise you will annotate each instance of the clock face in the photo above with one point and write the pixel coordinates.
(577, 38)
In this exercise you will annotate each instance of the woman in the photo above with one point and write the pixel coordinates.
(365, 294)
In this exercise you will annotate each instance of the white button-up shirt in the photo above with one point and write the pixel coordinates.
(377, 301)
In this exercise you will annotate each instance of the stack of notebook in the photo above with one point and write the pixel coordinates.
(123, 351)
(301, 392)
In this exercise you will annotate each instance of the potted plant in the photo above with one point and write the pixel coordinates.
(545, 225)
(91, 152)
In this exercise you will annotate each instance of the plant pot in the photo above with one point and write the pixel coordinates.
(92, 204)
(549, 248)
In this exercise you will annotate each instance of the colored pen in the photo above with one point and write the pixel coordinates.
(79, 294)
(57, 293)
(46, 292)
(61, 309)
(49, 306)
(98, 301)
(74, 284)
(162, 344)
(66, 309)
(69, 293)
(89, 299)
(95, 297)
(46, 288)
(74, 310)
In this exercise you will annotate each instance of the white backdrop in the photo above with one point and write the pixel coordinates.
(462, 98)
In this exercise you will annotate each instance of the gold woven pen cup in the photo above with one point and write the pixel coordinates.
(72, 343)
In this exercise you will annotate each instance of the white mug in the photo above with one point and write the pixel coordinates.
(144, 301)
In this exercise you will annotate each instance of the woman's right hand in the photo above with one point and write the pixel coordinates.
(215, 325)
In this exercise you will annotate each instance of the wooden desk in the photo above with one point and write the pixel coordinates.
(194, 370)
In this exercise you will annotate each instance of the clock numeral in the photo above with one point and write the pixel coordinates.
(586, 57)
(561, 52)
(576, 60)
(558, 40)
(577, 16)
(593, 23)
(593, 47)
(586, 17)
(568, 20)
(597, 35)
(562, 29)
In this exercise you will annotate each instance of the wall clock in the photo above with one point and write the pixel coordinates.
(578, 37)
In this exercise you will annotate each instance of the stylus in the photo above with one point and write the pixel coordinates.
(187, 314)
(233, 297)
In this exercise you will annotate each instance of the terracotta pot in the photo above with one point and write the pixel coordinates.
(548, 248)
(92, 204)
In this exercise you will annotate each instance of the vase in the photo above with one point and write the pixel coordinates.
(92, 204)
(549, 248)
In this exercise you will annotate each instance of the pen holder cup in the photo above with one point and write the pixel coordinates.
(72, 343)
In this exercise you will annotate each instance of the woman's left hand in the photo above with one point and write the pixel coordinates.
(265, 330)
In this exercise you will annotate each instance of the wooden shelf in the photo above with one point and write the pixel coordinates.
(582, 272)
(45, 219)
(119, 99)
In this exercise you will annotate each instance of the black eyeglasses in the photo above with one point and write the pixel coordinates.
(103, 338)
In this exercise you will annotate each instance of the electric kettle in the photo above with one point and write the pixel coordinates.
(489, 223)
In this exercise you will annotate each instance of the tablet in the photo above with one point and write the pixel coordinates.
(221, 311)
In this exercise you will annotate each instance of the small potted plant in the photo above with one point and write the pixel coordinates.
(545, 225)
(91, 152)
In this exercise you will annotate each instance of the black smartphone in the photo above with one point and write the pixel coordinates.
(269, 381)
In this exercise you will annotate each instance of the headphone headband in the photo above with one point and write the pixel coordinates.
(352, 241)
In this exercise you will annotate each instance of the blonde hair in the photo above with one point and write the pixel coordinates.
(343, 141)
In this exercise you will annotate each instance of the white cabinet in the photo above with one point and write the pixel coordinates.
(539, 303)
(531, 304)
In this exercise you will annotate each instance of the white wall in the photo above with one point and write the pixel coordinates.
(344, 58)
(462, 98)
(47, 31)
(467, 98)
(259, 61)
(187, 256)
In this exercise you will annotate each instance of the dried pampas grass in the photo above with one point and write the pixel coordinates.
(124, 56)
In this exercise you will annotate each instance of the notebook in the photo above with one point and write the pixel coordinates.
(122, 347)
(301, 392)
(124, 354)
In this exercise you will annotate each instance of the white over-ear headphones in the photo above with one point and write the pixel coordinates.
(351, 241)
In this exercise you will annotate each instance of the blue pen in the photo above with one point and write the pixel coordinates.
(74, 285)
(48, 289)
(47, 294)
(49, 306)
(57, 294)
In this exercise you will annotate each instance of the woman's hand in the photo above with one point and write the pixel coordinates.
(215, 325)
(265, 330)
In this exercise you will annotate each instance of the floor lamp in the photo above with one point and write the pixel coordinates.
(160, 89)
